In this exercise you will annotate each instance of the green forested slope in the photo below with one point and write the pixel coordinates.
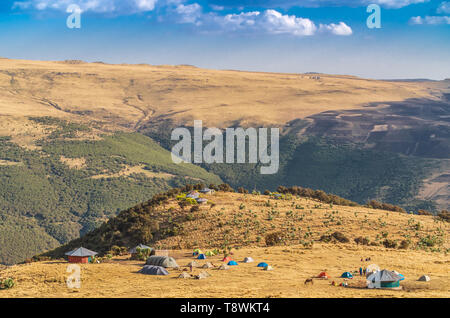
(44, 202)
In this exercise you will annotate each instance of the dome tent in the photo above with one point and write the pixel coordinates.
(153, 270)
(140, 246)
(224, 267)
(248, 260)
(226, 259)
(164, 261)
(201, 256)
(324, 275)
(232, 263)
(184, 275)
(424, 278)
(262, 264)
(346, 275)
(192, 264)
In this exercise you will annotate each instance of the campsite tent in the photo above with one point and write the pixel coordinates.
(232, 263)
(268, 268)
(153, 270)
(207, 191)
(80, 255)
(142, 247)
(223, 267)
(208, 265)
(248, 260)
(209, 253)
(164, 261)
(324, 275)
(262, 264)
(193, 195)
(383, 279)
(192, 264)
(226, 259)
(346, 275)
(201, 256)
(202, 275)
(424, 278)
(196, 252)
(201, 200)
(184, 275)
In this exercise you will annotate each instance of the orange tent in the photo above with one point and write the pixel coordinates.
(226, 259)
(324, 275)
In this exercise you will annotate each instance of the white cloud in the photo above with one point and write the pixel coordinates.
(444, 7)
(337, 29)
(431, 20)
(101, 6)
(190, 13)
(216, 7)
(277, 23)
(273, 22)
(394, 4)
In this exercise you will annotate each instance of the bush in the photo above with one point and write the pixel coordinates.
(338, 236)
(424, 212)
(7, 283)
(404, 244)
(242, 190)
(444, 215)
(389, 243)
(362, 240)
(275, 238)
(385, 206)
(195, 208)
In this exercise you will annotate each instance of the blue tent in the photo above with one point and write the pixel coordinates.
(201, 256)
(232, 263)
(262, 264)
(346, 275)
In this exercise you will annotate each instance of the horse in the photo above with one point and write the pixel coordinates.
(309, 281)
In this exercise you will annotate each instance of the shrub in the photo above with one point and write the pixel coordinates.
(389, 243)
(338, 236)
(274, 238)
(7, 283)
(242, 190)
(362, 240)
(404, 244)
(195, 208)
(424, 212)
(444, 215)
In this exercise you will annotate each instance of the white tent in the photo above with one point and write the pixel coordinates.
(424, 278)
(248, 260)
(383, 279)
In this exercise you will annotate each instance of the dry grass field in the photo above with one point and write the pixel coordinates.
(130, 96)
(293, 262)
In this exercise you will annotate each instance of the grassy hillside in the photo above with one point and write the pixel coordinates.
(232, 219)
(298, 236)
(68, 186)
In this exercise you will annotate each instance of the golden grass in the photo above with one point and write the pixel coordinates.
(292, 263)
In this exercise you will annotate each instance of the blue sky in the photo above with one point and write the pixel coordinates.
(329, 36)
